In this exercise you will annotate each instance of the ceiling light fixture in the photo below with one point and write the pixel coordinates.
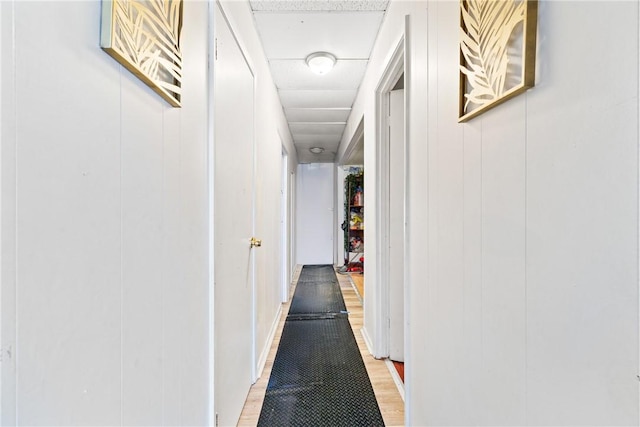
(316, 150)
(321, 62)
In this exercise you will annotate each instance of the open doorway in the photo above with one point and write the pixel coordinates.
(396, 225)
(352, 214)
(353, 225)
(390, 209)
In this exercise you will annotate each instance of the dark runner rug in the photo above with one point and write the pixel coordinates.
(318, 376)
(317, 292)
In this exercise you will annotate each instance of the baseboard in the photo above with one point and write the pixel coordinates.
(396, 377)
(355, 289)
(367, 341)
(262, 361)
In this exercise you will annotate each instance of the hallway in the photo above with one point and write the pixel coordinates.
(389, 399)
(146, 249)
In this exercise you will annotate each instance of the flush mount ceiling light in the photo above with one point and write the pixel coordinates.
(321, 62)
(316, 150)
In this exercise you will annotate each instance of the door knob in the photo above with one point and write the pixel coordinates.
(255, 242)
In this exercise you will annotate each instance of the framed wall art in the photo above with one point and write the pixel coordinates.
(144, 36)
(497, 52)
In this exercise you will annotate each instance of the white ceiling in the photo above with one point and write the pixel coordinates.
(317, 107)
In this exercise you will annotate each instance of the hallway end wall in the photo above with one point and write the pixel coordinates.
(523, 224)
(104, 227)
(315, 201)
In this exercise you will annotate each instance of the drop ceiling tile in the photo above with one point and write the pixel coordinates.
(317, 114)
(317, 98)
(316, 129)
(294, 74)
(324, 144)
(328, 146)
(318, 5)
(315, 139)
(307, 157)
(296, 35)
(317, 107)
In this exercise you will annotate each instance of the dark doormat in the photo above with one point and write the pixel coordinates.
(318, 377)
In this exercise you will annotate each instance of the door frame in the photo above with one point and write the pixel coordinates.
(291, 176)
(396, 66)
(356, 141)
(211, 52)
(396, 199)
(284, 222)
(216, 7)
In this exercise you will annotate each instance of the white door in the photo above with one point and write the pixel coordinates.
(396, 225)
(234, 225)
(315, 226)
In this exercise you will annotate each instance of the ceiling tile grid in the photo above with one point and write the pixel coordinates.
(317, 114)
(347, 35)
(318, 5)
(311, 140)
(317, 98)
(317, 106)
(294, 74)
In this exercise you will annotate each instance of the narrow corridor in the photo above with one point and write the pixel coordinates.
(386, 392)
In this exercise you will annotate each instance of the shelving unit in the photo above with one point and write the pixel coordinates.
(354, 222)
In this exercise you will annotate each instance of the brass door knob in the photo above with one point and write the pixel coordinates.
(255, 242)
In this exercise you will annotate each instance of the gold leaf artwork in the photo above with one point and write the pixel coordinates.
(144, 36)
(497, 52)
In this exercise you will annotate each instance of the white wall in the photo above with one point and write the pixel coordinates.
(105, 222)
(523, 224)
(315, 213)
(104, 227)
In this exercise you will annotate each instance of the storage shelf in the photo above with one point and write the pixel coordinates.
(354, 217)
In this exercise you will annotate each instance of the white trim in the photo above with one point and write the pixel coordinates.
(393, 70)
(339, 247)
(284, 222)
(292, 226)
(211, 206)
(638, 201)
(367, 340)
(396, 378)
(254, 214)
(10, 367)
(339, 214)
(408, 360)
(353, 144)
(262, 361)
(353, 285)
(336, 220)
(1, 231)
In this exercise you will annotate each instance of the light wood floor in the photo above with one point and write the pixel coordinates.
(358, 281)
(389, 400)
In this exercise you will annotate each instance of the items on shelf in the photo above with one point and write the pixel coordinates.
(353, 225)
(356, 244)
(356, 267)
(356, 220)
(357, 198)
